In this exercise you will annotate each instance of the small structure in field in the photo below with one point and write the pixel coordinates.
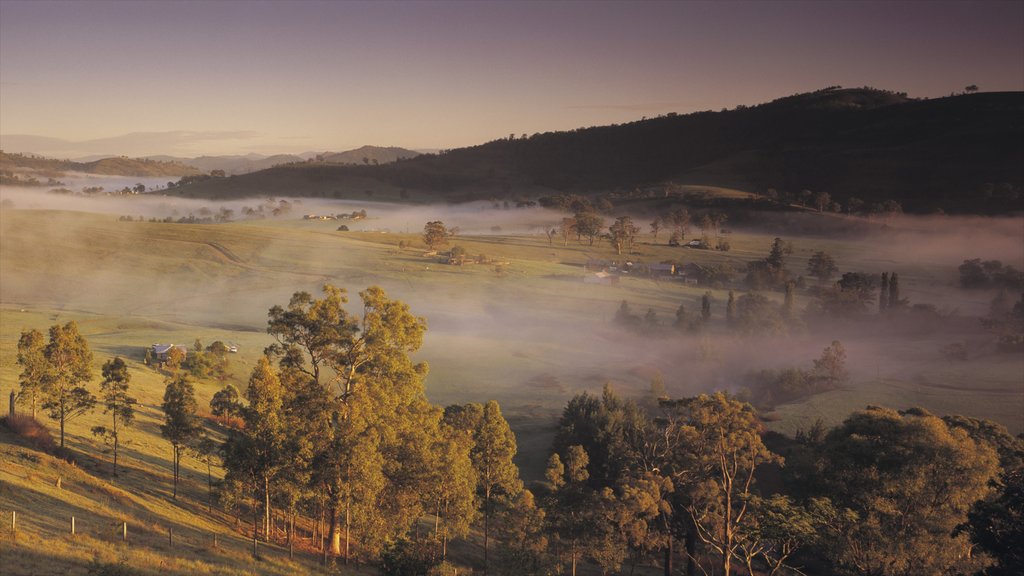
(160, 351)
(661, 269)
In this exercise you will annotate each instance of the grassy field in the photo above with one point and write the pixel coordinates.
(530, 335)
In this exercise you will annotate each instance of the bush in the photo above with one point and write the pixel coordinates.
(31, 430)
(407, 558)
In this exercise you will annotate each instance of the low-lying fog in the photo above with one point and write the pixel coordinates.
(478, 218)
(534, 341)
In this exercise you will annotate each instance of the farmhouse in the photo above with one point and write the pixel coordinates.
(160, 351)
(692, 273)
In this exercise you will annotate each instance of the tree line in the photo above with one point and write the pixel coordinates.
(334, 427)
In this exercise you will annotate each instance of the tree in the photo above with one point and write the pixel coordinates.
(116, 401)
(454, 488)
(850, 296)
(780, 527)
(524, 544)
(680, 323)
(494, 447)
(175, 358)
(589, 226)
(634, 512)
(831, 366)
(776, 259)
(822, 200)
(883, 293)
(722, 440)
(996, 525)
(259, 448)
(756, 314)
(32, 359)
(822, 266)
(225, 402)
(894, 291)
(311, 330)
(705, 306)
(435, 234)
(208, 450)
(655, 228)
(68, 368)
(567, 228)
(911, 479)
(970, 89)
(180, 425)
(571, 500)
(787, 303)
(370, 425)
(622, 233)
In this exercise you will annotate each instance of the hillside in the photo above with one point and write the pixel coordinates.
(958, 154)
(369, 155)
(233, 164)
(113, 166)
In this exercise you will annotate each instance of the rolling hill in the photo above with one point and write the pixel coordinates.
(113, 166)
(959, 154)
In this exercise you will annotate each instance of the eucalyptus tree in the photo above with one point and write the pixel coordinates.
(67, 369)
(31, 358)
(181, 426)
(117, 403)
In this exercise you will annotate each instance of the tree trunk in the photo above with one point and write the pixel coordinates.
(348, 526)
(61, 431)
(266, 508)
(209, 485)
(174, 467)
(335, 532)
(115, 446)
(487, 517)
(668, 558)
(691, 552)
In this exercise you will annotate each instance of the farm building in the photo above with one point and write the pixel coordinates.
(692, 273)
(661, 269)
(160, 351)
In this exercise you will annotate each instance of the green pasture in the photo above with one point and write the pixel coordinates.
(528, 333)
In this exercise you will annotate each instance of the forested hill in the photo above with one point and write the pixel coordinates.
(114, 166)
(962, 153)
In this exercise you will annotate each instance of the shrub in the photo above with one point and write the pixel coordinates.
(31, 430)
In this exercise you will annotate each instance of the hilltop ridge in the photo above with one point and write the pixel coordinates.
(871, 144)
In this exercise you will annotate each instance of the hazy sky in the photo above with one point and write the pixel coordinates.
(292, 76)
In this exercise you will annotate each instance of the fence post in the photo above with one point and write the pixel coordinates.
(170, 536)
(214, 540)
(72, 525)
(14, 523)
(124, 531)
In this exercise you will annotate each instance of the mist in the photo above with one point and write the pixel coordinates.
(531, 341)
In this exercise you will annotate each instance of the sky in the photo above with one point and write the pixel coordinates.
(189, 78)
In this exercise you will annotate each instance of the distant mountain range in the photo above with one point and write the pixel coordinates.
(182, 166)
(961, 153)
(114, 166)
(232, 165)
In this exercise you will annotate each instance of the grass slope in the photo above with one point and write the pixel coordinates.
(530, 337)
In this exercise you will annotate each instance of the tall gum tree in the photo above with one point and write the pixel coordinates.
(117, 403)
(68, 368)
